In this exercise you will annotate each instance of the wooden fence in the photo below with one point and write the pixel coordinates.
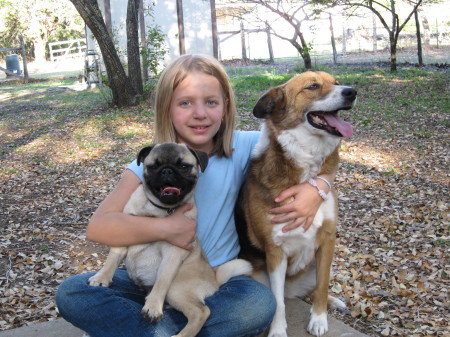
(67, 49)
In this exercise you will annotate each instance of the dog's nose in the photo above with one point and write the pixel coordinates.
(349, 93)
(166, 172)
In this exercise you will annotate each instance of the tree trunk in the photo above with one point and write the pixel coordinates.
(333, 43)
(269, 44)
(419, 39)
(374, 33)
(344, 39)
(305, 52)
(243, 45)
(123, 93)
(133, 54)
(143, 36)
(307, 59)
(215, 34)
(392, 38)
(393, 49)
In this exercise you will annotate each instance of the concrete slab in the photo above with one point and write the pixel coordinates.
(56, 328)
(297, 317)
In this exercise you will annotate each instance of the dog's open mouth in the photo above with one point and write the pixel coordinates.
(170, 191)
(331, 123)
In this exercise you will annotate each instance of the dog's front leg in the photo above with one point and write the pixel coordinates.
(173, 257)
(277, 266)
(318, 323)
(104, 276)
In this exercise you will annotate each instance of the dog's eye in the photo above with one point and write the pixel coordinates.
(314, 86)
(185, 166)
(154, 166)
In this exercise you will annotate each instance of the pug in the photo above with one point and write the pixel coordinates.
(182, 278)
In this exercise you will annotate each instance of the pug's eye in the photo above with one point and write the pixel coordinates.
(154, 166)
(183, 166)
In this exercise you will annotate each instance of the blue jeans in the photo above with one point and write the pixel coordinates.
(241, 307)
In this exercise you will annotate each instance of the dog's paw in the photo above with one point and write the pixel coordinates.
(98, 281)
(318, 324)
(278, 329)
(278, 334)
(152, 313)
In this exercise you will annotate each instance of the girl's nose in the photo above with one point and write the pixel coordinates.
(200, 111)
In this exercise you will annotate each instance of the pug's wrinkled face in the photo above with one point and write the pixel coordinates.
(170, 172)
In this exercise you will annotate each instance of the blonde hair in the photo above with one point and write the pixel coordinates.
(171, 77)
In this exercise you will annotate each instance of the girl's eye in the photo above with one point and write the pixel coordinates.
(185, 103)
(211, 102)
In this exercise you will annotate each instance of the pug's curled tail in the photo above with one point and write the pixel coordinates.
(231, 269)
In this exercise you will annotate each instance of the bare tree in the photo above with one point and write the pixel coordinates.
(123, 92)
(394, 28)
(419, 38)
(291, 12)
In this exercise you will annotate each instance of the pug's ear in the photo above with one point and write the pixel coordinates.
(202, 158)
(143, 154)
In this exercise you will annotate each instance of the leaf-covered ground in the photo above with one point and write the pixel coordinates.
(62, 151)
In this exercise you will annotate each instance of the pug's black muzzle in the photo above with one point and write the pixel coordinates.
(170, 185)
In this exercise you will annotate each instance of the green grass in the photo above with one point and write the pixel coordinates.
(383, 97)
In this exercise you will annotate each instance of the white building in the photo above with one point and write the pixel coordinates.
(187, 24)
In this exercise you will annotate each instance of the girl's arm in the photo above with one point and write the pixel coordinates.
(110, 226)
(306, 203)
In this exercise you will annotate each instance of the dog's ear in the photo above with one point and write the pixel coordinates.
(272, 100)
(144, 153)
(202, 158)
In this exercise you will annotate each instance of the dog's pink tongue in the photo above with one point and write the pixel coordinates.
(171, 190)
(343, 127)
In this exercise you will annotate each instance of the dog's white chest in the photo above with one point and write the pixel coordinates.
(306, 150)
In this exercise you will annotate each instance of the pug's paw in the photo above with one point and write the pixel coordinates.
(152, 312)
(99, 281)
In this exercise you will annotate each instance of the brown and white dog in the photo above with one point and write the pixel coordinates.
(300, 139)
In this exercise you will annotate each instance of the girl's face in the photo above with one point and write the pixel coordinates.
(196, 110)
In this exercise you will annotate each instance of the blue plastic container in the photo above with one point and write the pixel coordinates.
(13, 64)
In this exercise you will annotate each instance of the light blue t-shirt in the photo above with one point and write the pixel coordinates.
(215, 196)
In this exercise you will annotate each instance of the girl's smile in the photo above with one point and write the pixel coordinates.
(196, 110)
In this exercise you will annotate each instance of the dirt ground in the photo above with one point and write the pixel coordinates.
(392, 261)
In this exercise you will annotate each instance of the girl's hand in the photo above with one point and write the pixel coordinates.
(301, 210)
(180, 230)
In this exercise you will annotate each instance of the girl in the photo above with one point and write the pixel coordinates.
(195, 105)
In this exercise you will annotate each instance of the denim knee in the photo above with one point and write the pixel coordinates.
(241, 307)
(258, 308)
(67, 295)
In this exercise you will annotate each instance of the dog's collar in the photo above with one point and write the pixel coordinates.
(169, 210)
